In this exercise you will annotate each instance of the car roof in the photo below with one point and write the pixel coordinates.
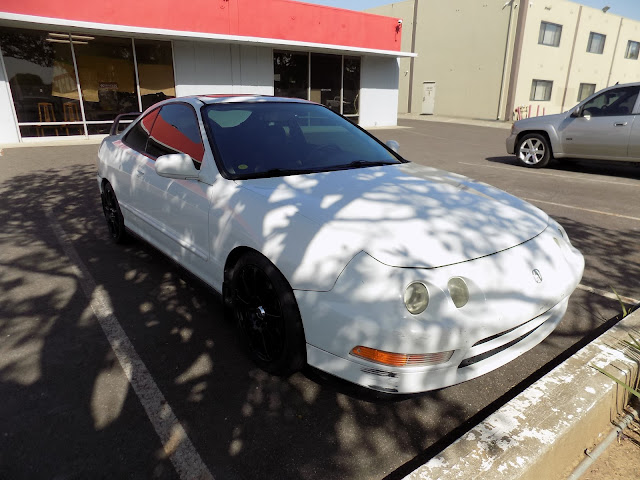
(247, 98)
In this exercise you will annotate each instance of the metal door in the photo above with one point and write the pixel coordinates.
(428, 97)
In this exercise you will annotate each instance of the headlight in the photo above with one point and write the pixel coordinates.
(560, 230)
(416, 298)
(459, 291)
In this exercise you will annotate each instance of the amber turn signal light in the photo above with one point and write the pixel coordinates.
(400, 359)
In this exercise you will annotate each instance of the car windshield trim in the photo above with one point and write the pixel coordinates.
(282, 172)
(273, 139)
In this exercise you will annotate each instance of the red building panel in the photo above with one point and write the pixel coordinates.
(278, 19)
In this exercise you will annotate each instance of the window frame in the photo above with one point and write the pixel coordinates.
(556, 36)
(580, 88)
(628, 50)
(534, 83)
(134, 124)
(609, 91)
(592, 36)
(198, 164)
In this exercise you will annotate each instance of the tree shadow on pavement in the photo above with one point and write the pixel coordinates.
(70, 413)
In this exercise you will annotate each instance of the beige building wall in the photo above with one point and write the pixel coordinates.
(461, 46)
(466, 47)
(544, 62)
(592, 67)
(567, 72)
(625, 70)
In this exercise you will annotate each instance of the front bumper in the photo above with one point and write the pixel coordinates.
(511, 143)
(509, 312)
(466, 365)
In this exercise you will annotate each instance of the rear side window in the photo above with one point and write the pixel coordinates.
(176, 130)
(137, 137)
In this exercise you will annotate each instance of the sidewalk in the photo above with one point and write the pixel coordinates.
(458, 120)
(543, 432)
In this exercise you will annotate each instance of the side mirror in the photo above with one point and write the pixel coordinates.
(176, 165)
(576, 112)
(393, 145)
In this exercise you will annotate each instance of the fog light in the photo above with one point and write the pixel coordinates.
(400, 359)
(459, 291)
(416, 298)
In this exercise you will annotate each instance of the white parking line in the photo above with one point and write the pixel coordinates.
(175, 442)
(581, 208)
(528, 171)
(611, 295)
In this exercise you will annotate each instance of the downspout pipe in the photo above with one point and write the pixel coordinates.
(593, 456)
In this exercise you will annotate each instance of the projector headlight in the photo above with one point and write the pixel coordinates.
(416, 298)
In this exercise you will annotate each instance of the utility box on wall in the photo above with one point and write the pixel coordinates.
(428, 98)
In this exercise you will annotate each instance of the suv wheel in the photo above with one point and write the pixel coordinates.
(534, 151)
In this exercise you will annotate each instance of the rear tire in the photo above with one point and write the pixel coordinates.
(534, 151)
(113, 214)
(267, 315)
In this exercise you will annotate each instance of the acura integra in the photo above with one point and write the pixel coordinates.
(330, 249)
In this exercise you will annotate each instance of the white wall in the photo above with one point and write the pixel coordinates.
(379, 91)
(8, 127)
(217, 68)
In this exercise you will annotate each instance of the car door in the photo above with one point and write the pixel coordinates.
(127, 162)
(634, 137)
(603, 127)
(176, 210)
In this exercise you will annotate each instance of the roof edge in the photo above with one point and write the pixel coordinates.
(180, 34)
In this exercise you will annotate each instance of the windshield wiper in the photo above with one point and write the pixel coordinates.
(279, 172)
(362, 164)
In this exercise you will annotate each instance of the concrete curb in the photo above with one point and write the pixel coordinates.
(544, 431)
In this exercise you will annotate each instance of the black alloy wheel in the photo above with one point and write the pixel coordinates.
(113, 215)
(267, 315)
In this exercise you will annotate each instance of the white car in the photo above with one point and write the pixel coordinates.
(331, 249)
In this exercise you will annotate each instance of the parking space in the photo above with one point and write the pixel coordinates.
(168, 386)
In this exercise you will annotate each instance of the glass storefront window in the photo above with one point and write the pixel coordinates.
(326, 74)
(334, 80)
(107, 77)
(155, 71)
(291, 74)
(43, 83)
(41, 70)
(351, 86)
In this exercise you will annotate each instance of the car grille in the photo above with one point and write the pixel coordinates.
(483, 356)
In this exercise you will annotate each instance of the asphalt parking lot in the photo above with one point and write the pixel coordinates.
(115, 363)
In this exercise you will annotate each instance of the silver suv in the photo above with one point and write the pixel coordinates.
(605, 126)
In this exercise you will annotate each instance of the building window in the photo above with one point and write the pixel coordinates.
(332, 80)
(155, 71)
(586, 90)
(541, 90)
(596, 43)
(550, 34)
(44, 69)
(291, 74)
(632, 50)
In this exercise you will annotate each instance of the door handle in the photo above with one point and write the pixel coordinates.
(620, 124)
(139, 172)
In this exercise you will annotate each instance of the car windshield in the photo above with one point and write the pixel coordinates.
(270, 139)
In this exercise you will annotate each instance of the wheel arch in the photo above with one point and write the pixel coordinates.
(232, 258)
(544, 133)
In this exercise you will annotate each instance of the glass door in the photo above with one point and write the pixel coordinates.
(326, 77)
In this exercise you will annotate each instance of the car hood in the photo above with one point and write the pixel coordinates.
(404, 215)
(555, 119)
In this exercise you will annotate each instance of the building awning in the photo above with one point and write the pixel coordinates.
(285, 24)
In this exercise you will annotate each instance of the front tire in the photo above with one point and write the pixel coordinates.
(534, 151)
(267, 315)
(113, 214)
